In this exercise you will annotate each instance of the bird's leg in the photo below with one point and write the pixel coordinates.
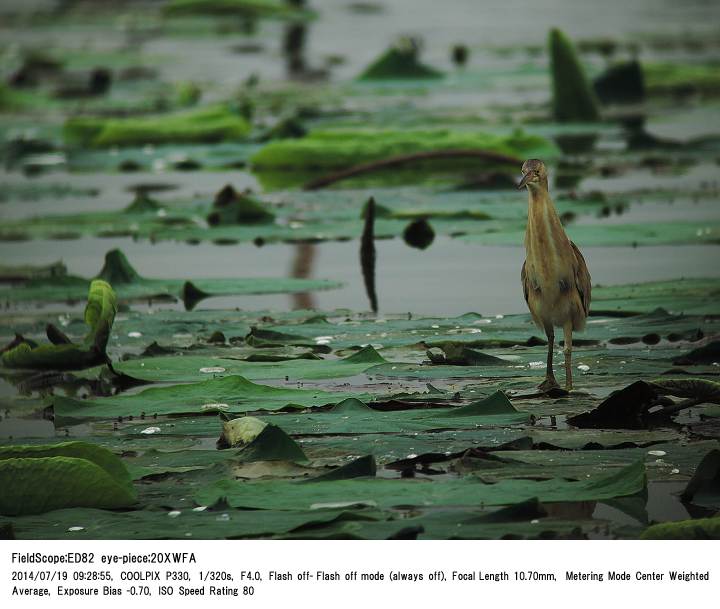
(568, 356)
(549, 382)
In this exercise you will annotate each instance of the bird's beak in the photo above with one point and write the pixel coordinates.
(525, 179)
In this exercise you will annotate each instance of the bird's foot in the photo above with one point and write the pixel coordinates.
(548, 384)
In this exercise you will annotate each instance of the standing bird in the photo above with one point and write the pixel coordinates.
(555, 278)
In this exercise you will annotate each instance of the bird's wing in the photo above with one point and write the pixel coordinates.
(524, 280)
(582, 278)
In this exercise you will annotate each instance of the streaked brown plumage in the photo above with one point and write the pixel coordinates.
(555, 278)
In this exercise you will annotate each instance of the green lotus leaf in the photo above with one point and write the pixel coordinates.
(700, 528)
(131, 286)
(188, 367)
(391, 493)
(38, 479)
(209, 124)
(341, 148)
(231, 394)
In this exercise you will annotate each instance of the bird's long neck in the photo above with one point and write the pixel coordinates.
(544, 235)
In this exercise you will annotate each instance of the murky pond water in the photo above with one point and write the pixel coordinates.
(449, 278)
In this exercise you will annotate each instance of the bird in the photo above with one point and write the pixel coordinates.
(555, 278)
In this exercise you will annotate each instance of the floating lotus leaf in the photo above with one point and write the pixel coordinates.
(187, 367)
(391, 493)
(130, 285)
(210, 124)
(237, 392)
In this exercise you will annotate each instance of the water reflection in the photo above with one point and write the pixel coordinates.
(294, 46)
(368, 255)
(294, 43)
(302, 268)
(576, 143)
(579, 510)
(11, 428)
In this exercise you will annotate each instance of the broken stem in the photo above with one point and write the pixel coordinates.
(368, 255)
